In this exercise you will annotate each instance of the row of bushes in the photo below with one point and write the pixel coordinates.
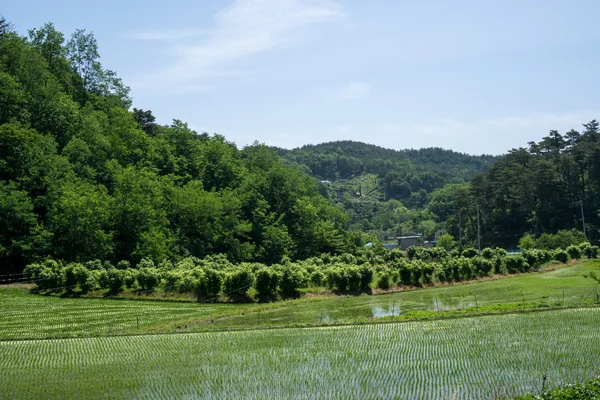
(215, 275)
(204, 282)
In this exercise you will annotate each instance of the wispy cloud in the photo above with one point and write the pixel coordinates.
(245, 28)
(354, 90)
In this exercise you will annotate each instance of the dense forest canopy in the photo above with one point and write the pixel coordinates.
(84, 176)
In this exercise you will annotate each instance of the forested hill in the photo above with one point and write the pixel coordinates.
(346, 159)
(83, 176)
(401, 172)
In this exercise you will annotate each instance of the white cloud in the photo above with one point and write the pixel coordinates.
(354, 90)
(242, 29)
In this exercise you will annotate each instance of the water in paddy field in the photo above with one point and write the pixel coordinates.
(439, 305)
(380, 311)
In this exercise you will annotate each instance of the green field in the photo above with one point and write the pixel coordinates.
(468, 358)
(25, 315)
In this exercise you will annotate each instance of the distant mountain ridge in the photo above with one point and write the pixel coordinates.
(347, 159)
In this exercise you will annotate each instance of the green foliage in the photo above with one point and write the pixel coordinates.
(266, 281)
(574, 252)
(237, 282)
(589, 390)
(516, 264)
(589, 250)
(560, 255)
(84, 178)
(148, 278)
(291, 279)
(527, 242)
(469, 252)
(446, 241)
(383, 280)
(562, 239)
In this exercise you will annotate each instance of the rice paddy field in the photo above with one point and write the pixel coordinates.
(468, 358)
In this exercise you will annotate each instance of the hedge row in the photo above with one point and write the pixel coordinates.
(214, 276)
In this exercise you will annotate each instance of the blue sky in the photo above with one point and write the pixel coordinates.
(472, 76)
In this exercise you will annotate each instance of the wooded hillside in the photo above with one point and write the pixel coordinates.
(83, 178)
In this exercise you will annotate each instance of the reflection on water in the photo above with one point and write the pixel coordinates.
(433, 304)
(379, 311)
(439, 305)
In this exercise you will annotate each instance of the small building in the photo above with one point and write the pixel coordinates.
(404, 242)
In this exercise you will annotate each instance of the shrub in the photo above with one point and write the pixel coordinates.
(394, 277)
(147, 278)
(266, 281)
(366, 276)
(292, 278)
(48, 279)
(560, 256)
(171, 280)
(131, 276)
(317, 278)
(446, 242)
(428, 269)
(500, 252)
(526, 242)
(439, 253)
(94, 265)
(214, 281)
(114, 279)
(417, 273)
(383, 280)
(574, 252)
(394, 255)
(337, 278)
(237, 282)
(411, 251)
(466, 268)
(199, 283)
(146, 263)
(532, 258)
(483, 265)
(353, 277)
(406, 273)
(591, 251)
(488, 253)
(186, 283)
(68, 276)
(33, 271)
(516, 264)
(469, 252)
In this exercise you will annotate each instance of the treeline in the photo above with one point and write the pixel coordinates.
(551, 185)
(82, 177)
(216, 276)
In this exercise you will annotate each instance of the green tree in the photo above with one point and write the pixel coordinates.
(446, 242)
